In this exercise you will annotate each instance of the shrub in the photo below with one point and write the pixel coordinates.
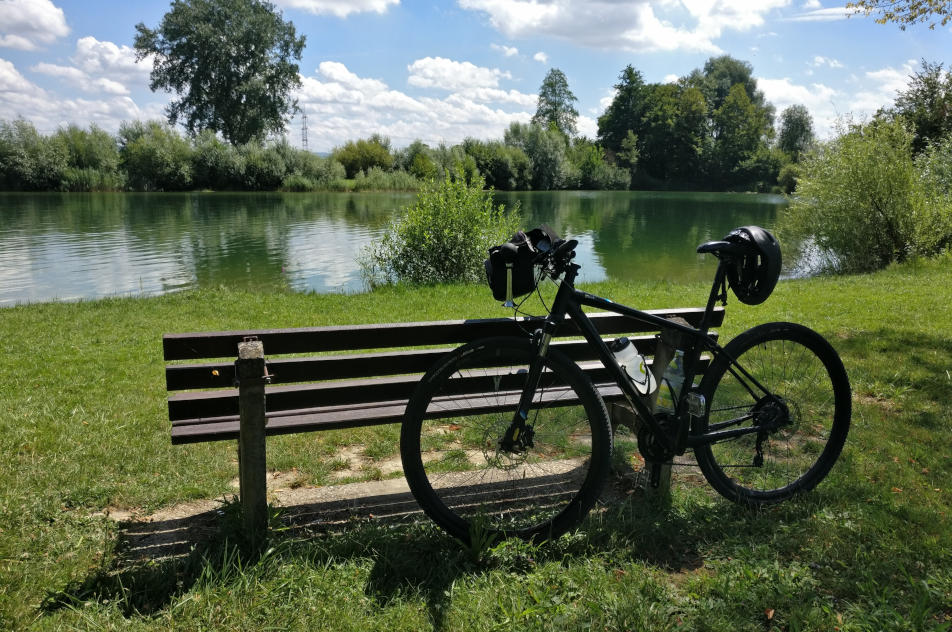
(934, 224)
(442, 238)
(28, 161)
(376, 179)
(362, 155)
(264, 166)
(860, 199)
(215, 164)
(155, 157)
(296, 183)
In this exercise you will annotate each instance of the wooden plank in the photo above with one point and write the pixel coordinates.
(221, 429)
(293, 370)
(211, 404)
(190, 346)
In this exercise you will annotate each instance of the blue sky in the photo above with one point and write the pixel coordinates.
(443, 71)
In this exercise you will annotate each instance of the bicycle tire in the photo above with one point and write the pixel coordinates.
(452, 461)
(802, 368)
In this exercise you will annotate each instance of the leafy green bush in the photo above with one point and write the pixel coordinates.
(296, 183)
(859, 199)
(934, 224)
(28, 161)
(76, 180)
(376, 179)
(155, 157)
(215, 164)
(264, 166)
(362, 155)
(442, 238)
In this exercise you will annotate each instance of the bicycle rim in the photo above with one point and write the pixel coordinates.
(466, 482)
(812, 400)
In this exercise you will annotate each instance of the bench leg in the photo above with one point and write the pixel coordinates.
(252, 463)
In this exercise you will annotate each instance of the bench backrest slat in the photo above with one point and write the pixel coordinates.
(201, 345)
(292, 370)
(206, 404)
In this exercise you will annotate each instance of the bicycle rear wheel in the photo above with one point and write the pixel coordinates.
(804, 420)
(451, 456)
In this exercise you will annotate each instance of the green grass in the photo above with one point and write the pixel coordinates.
(83, 428)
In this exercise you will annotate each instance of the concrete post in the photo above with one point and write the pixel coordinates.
(252, 464)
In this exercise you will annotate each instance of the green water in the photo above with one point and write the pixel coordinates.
(72, 246)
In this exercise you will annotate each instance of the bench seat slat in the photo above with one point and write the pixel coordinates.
(335, 418)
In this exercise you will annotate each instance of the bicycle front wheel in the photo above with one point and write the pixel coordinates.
(799, 426)
(466, 482)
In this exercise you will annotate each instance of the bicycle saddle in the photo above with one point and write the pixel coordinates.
(718, 247)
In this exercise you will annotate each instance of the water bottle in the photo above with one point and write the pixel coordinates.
(633, 363)
(674, 379)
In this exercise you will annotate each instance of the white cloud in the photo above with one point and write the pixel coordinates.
(13, 83)
(101, 58)
(342, 106)
(879, 88)
(100, 67)
(812, 4)
(21, 97)
(438, 72)
(340, 8)
(822, 15)
(25, 24)
(826, 61)
(818, 98)
(586, 126)
(508, 51)
(541, 57)
(871, 91)
(338, 73)
(81, 79)
(631, 25)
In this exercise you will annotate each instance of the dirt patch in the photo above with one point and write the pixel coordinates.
(175, 531)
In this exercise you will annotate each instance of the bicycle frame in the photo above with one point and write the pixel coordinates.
(569, 301)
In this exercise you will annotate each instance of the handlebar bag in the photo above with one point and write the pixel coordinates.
(511, 262)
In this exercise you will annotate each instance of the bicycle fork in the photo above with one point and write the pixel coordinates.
(520, 433)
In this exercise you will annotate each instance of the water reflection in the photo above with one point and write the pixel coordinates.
(70, 246)
(645, 235)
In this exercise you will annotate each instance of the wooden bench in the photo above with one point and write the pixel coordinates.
(358, 375)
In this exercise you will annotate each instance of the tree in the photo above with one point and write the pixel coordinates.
(926, 104)
(626, 110)
(796, 131)
(739, 131)
(722, 73)
(229, 62)
(546, 149)
(556, 104)
(906, 12)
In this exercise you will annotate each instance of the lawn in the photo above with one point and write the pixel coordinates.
(84, 431)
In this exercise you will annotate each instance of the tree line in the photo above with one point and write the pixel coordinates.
(711, 130)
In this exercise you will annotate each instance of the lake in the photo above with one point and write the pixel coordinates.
(80, 246)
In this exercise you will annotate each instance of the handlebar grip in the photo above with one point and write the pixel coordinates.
(564, 248)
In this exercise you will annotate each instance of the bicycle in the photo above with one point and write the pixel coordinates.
(508, 436)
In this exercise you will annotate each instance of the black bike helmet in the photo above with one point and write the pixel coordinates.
(754, 272)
